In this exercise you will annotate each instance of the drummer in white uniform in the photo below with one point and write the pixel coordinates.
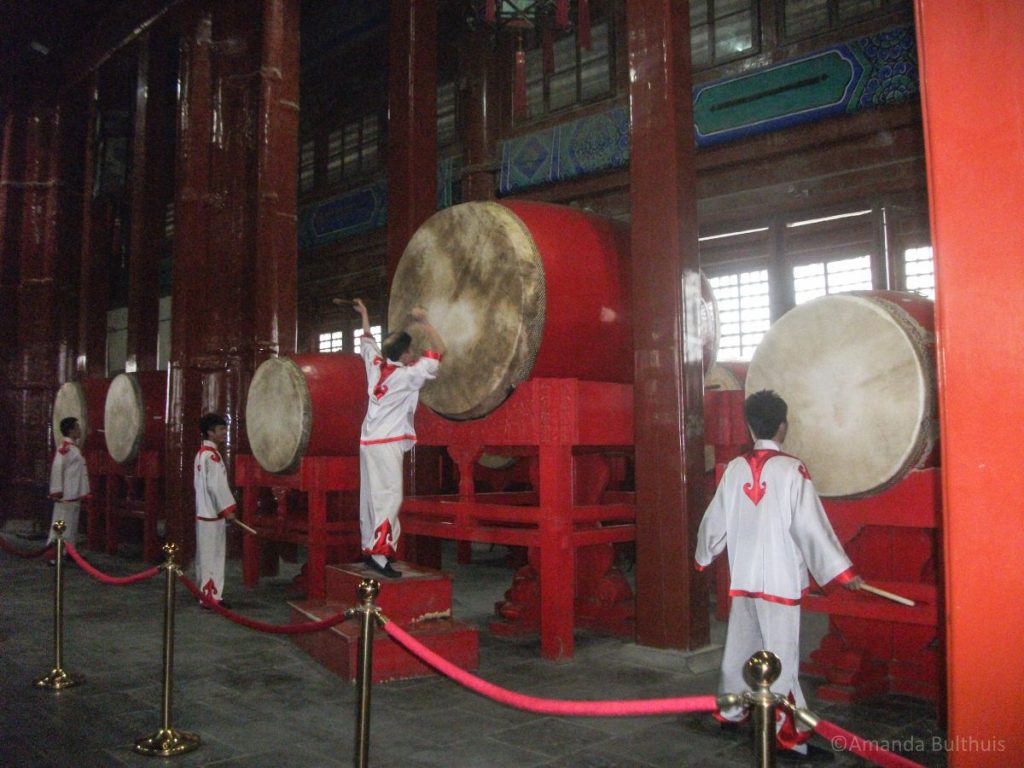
(394, 375)
(215, 505)
(69, 481)
(769, 517)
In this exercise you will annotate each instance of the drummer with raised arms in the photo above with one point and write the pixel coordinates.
(394, 375)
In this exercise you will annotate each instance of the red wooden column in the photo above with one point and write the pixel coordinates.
(412, 124)
(481, 103)
(40, 361)
(150, 174)
(672, 602)
(93, 284)
(190, 293)
(275, 268)
(972, 65)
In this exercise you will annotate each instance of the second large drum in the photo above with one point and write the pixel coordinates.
(134, 414)
(858, 373)
(516, 289)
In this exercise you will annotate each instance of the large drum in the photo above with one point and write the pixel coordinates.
(858, 373)
(84, 400)
(134, 414)
(305, 405)
(519, 289)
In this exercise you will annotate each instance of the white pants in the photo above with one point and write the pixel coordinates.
(68, 511)
(756, 625)
(211, 549)
(380, 497)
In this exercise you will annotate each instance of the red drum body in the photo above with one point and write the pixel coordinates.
(519, 289)
(516, 289)
(83, 400)
(306, 405)
(133, 414)
(858, 373)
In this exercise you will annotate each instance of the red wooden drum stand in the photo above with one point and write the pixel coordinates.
(570, 533)
(873, 645)
(329, 527)
(133, 464)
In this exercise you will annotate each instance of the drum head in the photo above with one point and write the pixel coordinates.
(477, 271)
(124, 418)
(278, 415)
(856, 375)
(70, 401)
(722, 378)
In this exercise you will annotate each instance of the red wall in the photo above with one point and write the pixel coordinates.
(972, 77)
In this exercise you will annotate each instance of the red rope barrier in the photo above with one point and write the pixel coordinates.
(840, 738)
(27, 555)
(275, 629)
(100, 576)
(548, 706)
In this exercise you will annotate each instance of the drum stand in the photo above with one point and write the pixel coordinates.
(571, 538)
(317, 476)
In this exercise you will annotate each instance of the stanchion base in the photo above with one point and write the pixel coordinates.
(167, 742)
(58, 680)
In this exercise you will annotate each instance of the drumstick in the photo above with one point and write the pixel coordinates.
(339, 302)
(888, 595)
(243, 526)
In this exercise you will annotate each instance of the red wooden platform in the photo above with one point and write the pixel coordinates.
(569, 522)
(327, 524)
(420, 602)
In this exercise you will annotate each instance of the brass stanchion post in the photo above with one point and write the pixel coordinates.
(167, 741)
(368, 591)
(58, 679)
(761, 670)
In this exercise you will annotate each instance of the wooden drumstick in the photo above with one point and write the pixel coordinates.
(888, 595)
(341, 302)
(243, 526)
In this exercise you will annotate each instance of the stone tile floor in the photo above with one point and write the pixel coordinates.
(256, 700)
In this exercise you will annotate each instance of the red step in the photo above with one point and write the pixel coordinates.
(420, 602)
(422, 593)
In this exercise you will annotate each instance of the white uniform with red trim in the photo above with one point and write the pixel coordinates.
(388, 432)
(768, 515)
(213, 500)
(69, 486)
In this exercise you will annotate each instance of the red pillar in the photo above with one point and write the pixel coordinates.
(234, 293)
(189, 291)
(276, 275)
(481, 115)
(93, 284)
(672, 602)
(38, 360)
(968, 52)
(151, 173)
(412, 123)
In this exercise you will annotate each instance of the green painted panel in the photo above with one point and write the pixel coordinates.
(808, 84)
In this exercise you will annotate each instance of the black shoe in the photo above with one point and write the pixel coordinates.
(815, 756)
(384, 570)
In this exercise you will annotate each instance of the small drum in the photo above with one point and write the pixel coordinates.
(519, 289)
(858, 373)
(305, 405)
(84, 401)
(726, 377)
(134, 414)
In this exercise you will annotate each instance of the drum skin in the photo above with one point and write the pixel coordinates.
(858, 373)
(516, 289)
(727, 376)
(305, 405)
(85, 401)
(134, 414)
